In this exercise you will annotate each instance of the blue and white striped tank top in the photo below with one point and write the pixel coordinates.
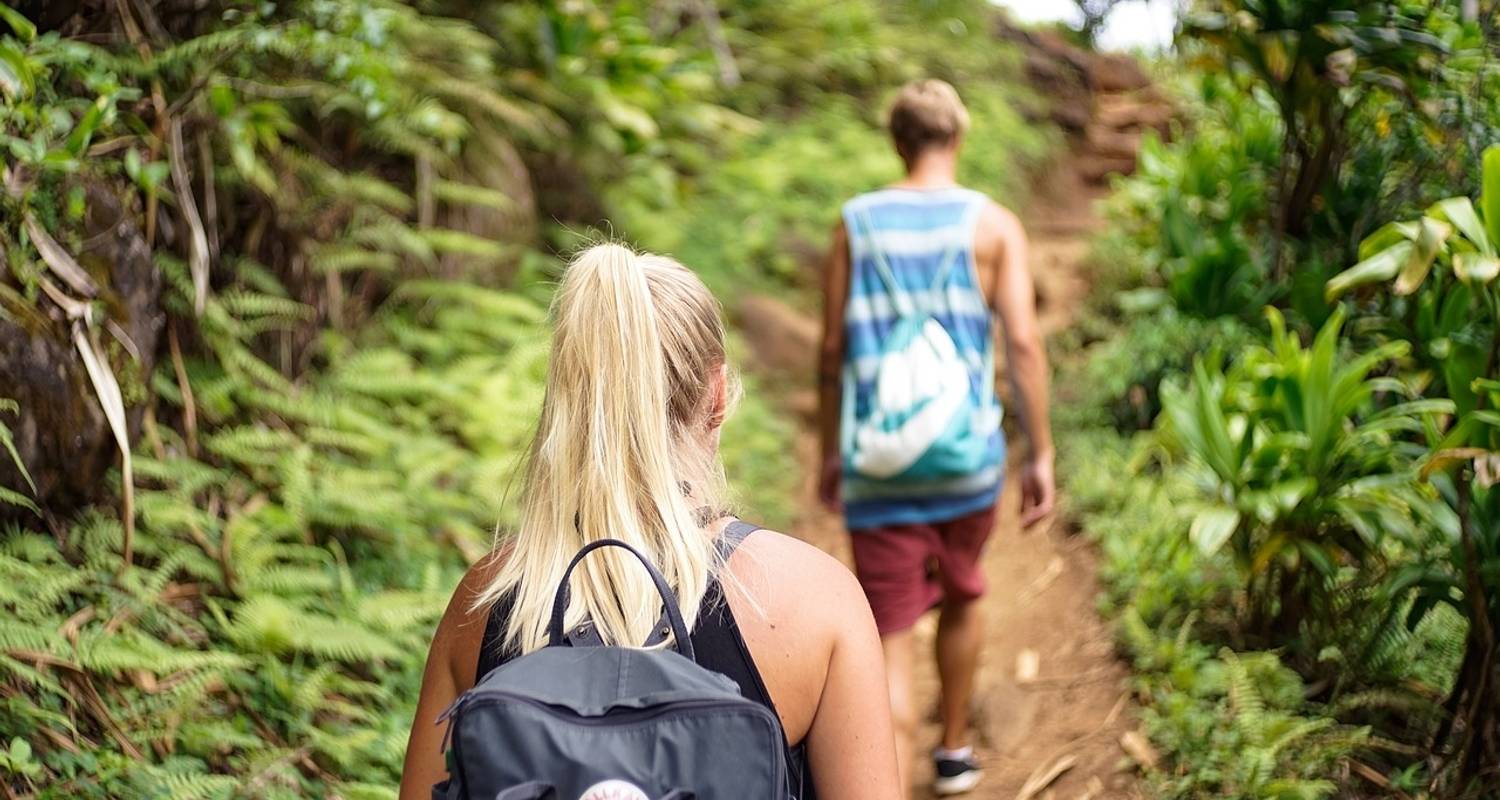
(914, 229)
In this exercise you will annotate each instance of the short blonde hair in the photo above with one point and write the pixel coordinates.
(926, 113)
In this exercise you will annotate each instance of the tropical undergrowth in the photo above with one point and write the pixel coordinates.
(1279, 420)
(351, 213)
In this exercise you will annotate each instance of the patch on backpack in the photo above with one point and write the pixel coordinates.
(614, 790)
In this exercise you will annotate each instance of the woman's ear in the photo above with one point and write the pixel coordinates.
(718, 396)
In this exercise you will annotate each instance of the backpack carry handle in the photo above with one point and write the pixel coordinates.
(668, 597)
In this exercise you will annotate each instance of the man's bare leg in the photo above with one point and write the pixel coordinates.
(900, 660)
(959, 635)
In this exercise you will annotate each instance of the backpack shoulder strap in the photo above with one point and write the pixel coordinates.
(735, 534)
(729, 541)
(882, 265)
(956, 247)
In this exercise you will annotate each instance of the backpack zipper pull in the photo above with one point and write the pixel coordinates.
(453, 707)
(449, 716)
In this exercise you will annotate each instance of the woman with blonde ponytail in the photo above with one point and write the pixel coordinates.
(627, 448)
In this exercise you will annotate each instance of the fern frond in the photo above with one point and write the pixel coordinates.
(466, 194)
(251, 444)
(351, 258)
(242, 303)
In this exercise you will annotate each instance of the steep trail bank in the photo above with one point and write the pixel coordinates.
(1053, 707)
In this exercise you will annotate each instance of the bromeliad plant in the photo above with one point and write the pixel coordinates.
(1302, 477)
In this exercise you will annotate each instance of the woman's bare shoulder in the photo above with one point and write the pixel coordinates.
(792, 550)
(783, 572)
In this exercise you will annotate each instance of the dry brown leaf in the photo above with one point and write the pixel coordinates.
(1373, 775)
(1093, 790)
(107, 389)
(1043, 777)
(1028, 665)
(1048, 576)
(59, 260)
(72, 307)
(198, 237)
(1138, 747)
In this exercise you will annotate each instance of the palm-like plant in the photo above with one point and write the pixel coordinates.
(1445, 301)
(1300, 475)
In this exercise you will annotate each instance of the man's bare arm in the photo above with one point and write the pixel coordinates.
(1026, 360)
(830, 363)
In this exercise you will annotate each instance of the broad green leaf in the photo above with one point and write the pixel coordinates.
(1288, 494)
(12, 497)
(1212, 527)
(1476, 267)
(1380, 267)
(1460, 212)
(15, 73)
(83, 132)
(1457, 306)
(1464, 363)
(1489, 198)
(1419, 261)
(25, 30)
(1413, 408)
(1212, 427)
(1387, 235)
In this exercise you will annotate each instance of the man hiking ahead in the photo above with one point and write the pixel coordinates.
(910, 424)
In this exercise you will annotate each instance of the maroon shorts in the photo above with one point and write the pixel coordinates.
(908, 569)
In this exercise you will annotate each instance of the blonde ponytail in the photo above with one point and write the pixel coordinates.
(624, 437)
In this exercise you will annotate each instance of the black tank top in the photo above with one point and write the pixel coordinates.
(717, 642)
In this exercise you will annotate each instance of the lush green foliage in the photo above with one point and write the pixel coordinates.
(1326, 492)
(1190, 215)
(1321, 62)
(1314, 124)
(778, 198)
(1233, 723)
(1448, 316)
(289, 573)
(1298, 479)
(1445, 300)
(337, 195)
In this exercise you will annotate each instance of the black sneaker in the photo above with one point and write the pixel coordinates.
(955, 775)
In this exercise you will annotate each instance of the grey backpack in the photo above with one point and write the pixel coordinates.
(611, 723)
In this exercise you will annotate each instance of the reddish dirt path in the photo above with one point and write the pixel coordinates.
(1042, 591)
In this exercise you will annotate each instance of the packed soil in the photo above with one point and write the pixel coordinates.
(1053, 712)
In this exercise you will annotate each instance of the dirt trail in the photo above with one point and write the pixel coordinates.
(1074, 708)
